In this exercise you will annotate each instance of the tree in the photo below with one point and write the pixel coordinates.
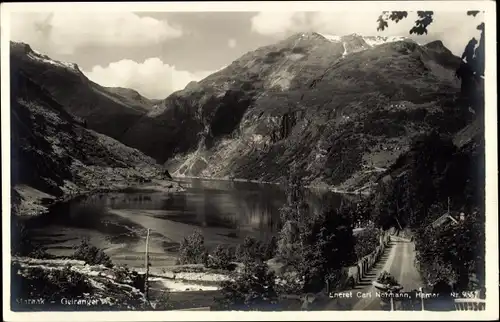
(91, 254)
(316, 246)
(253, 289)
(430, 171)
(453, 253)
(329, 248)
(220, 258)
(22, 243)
(366, 241)
(249, 250)
(295, 216)
(268, 248)
(192, 249)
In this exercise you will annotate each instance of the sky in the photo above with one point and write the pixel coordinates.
(157, 53)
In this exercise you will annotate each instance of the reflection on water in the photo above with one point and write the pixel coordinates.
(219, 208)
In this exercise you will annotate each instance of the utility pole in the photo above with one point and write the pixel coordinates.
(421, 298)
(146, 277)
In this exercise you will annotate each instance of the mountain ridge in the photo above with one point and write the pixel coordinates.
(300, 102)
(104, 111)
(251, 115)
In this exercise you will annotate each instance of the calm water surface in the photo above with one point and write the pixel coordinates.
(225, 211)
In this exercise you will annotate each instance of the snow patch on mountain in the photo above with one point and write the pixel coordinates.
(332, 38)
(345, 50)
(372, 41)
(378, 40)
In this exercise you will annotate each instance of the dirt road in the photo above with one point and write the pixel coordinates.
(398, 260)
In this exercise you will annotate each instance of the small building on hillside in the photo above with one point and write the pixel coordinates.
(447, 218)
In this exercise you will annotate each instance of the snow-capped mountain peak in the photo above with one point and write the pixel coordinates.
(355, 42)
(45, 59)
(372, 41)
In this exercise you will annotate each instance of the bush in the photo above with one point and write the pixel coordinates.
(386, 278)
(91, 254)
(123, 275)
(192, 249)
(253, 289)
(289, 283)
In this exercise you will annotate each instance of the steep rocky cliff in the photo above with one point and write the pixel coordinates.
(341, 109)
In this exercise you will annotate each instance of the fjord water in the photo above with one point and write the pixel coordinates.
(225, 211)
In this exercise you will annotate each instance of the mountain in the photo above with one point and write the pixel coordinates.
(340, 109)
(108, 111)
(131, 97)
(54, 155)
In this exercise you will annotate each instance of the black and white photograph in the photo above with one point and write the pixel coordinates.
(249, 157)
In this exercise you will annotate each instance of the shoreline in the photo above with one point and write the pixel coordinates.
(367, 190)
(38, 205)
(33, 205)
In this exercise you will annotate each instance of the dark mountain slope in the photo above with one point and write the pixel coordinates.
(106, 111)
(54, 155)
(339, 109)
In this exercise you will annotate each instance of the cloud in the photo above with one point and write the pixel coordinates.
(152, 78)
(453, 28)
(66, 32)
(271, 23)
(231, 43)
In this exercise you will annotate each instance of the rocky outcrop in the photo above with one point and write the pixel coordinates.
(65, 283)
